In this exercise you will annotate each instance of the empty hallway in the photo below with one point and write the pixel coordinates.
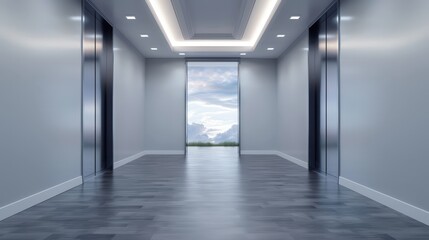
(214, 119)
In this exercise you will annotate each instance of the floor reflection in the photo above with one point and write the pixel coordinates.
(212, 193)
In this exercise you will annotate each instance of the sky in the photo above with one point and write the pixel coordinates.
(212, 101)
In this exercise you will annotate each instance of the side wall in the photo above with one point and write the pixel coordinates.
(258, 100)
(292, 108)
(383, 97)
(128, 99)
(165, 106)
(40, 100)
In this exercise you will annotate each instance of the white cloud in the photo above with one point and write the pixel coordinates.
(197, 133)
(213, 117)
(213, 85)
(212, 100)
(231, 135)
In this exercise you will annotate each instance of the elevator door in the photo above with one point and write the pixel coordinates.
(332, 94)
(324, 94)
(322, 162)
(88, 95)
(96, 94)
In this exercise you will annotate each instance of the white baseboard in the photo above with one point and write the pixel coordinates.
(277, 153)
(292, 159)
(258, 152)
(25, 203)
(164, 152)
(128, 159)
(144, 153)
(389, 201)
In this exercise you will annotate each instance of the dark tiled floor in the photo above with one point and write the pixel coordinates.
(211, 195)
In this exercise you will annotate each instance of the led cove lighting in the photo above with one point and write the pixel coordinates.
(295, 17)
(281, 35)
(154, 49)
(131, 17)
(144, 35)
(260, 17)
(270, 49)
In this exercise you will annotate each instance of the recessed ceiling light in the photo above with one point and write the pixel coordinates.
(270, 49)
(154, 49)
(144, 35)
(295, 17)
(281, 35)
(182, 54)
(260, 17)
(131, 17)
(243, 54)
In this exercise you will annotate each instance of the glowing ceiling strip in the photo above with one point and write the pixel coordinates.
(259, 19)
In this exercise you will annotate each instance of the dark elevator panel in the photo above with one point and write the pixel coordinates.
(324, 94)
(96, 94)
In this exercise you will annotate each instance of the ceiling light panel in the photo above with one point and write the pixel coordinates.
(295, 17)
(281, 35)
(144, 35)
(131, 17)
(154, 49)
(270, 49)
(260, 17)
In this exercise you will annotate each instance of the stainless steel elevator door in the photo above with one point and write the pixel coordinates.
(322, 98)
(97, 83)
(332, 94)
(88, 96)
(324, 94)
(99, 163)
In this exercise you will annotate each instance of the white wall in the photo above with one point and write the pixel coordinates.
(165, 105)
(292, 95)
(128, 99)
(40, 99)
(258, 102)
(384, 94)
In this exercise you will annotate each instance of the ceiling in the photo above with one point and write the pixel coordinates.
(210, 19)
(199, 19)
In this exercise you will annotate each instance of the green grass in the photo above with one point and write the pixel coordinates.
(207, 144)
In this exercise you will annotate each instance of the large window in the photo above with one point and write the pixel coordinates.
(212, 104)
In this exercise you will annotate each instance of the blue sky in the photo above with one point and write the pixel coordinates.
(212, 101)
